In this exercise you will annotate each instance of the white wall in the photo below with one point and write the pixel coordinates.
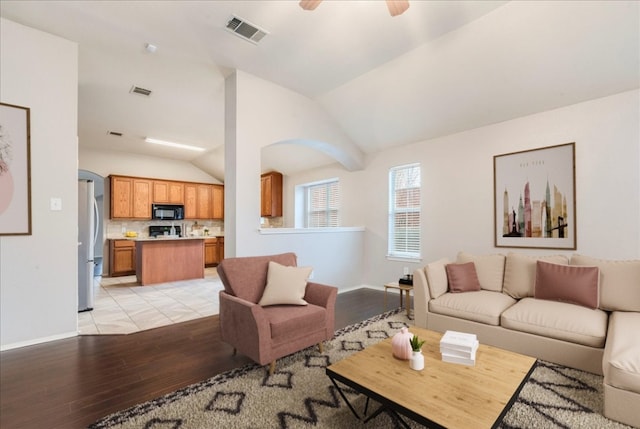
(105, 163)
(258, 114)
(457, 180)
(337, 256)
(38, 277)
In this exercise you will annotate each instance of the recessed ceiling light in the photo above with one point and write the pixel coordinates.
(172, 144)
(151, 48)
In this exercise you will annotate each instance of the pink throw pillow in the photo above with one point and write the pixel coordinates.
(568, 283)
(462, 277)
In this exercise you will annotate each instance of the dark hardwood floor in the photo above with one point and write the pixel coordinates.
(73, 382)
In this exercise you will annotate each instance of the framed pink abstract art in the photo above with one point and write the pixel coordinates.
(15, 170)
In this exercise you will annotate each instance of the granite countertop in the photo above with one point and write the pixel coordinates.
(166, 237)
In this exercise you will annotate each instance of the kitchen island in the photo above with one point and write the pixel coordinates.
(162, 260)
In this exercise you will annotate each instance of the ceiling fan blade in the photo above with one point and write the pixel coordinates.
(309, 4)
(397, 7)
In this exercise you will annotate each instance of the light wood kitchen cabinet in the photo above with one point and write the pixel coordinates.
(168, 192)
(213, 251)
(220, 249)
(271, 194)
(122, 257)
(217, 201)
(121, 197)
(204, 202)
(130, 198)
(190, 201)
(141, 199)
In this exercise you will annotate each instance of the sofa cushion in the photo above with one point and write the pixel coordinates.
(437, 277)
(619, 282)
(482, 306)
(621, 363)
(559, 320)
(520, 272)
(490, 269)
(462, 277)
(568, 283)
(290, 322)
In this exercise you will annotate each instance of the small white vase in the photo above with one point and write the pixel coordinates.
(417, 361)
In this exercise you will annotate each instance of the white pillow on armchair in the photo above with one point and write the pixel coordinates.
(285, 285)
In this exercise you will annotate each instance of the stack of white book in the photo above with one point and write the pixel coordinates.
(459, 347)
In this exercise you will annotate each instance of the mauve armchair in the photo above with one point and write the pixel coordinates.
(267, 333)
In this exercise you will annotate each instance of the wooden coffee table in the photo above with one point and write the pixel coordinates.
(443, 395)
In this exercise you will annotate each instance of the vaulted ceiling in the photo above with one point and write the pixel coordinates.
(439, 68)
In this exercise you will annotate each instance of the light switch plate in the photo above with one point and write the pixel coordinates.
(55, 204)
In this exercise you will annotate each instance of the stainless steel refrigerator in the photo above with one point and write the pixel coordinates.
(87, 221)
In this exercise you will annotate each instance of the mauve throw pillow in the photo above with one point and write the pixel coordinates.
(568, 283)
(462, 277)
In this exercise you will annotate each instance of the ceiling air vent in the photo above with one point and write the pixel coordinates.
(114, 133)
(141, 91)
(246, 30)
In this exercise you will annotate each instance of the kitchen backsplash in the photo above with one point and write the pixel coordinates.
(118, 228)
(272, 222)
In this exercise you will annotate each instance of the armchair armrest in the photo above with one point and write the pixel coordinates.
(322, 295)
(244, 325)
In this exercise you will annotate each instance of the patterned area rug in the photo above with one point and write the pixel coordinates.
(300, 395)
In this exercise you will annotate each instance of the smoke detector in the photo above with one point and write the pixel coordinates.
(150, 48)
(245, 30)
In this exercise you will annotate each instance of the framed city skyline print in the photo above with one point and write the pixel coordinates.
(535, 198)
(15, 170)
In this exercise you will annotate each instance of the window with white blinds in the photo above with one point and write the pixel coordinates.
(404, 211)
(323, 203)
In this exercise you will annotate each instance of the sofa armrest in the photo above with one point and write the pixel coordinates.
(421, 297)
(244, 325)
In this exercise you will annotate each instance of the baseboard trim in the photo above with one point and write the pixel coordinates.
(351, 289)
(35, 341)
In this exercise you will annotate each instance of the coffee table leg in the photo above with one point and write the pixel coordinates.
(382, 408)
(376, 412)
(345, 399)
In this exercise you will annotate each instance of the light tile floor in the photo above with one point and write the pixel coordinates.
(121, 306)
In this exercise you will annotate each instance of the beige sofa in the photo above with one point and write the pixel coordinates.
(601, 336)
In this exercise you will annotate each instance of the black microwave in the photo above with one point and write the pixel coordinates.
(167, 211)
